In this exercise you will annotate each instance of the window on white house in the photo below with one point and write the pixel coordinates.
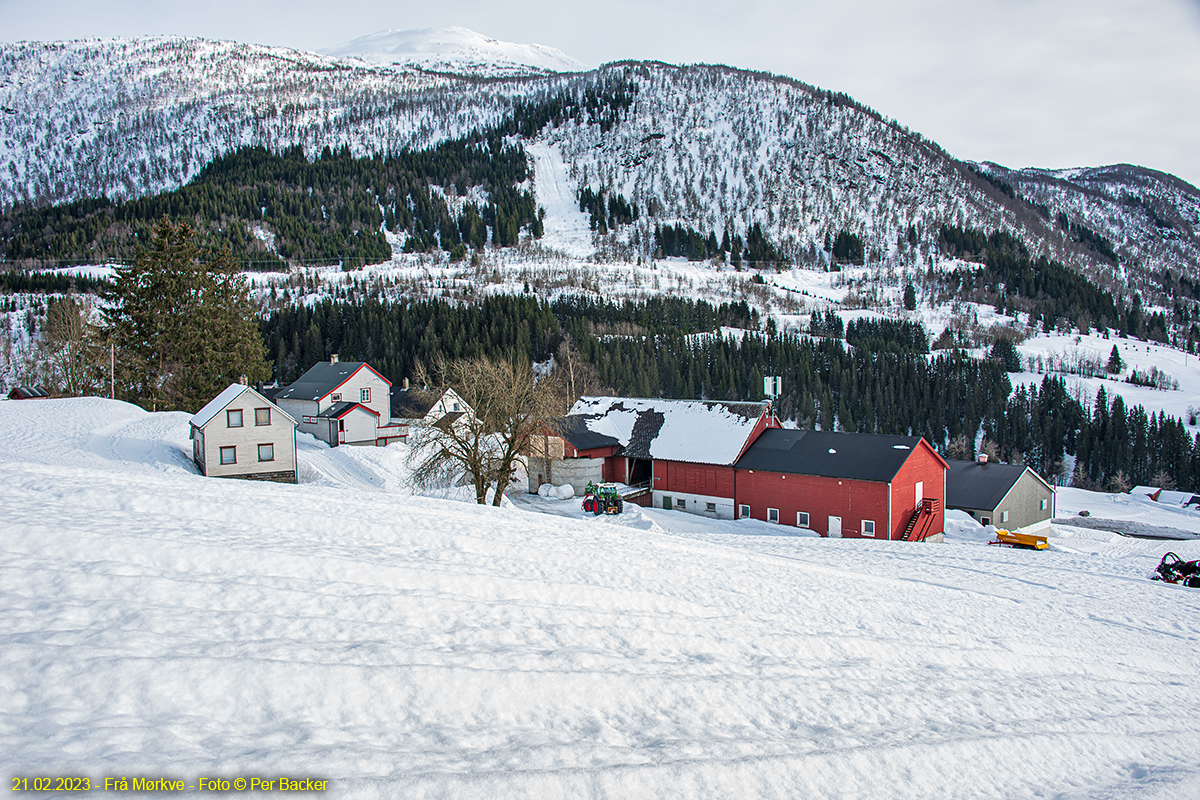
(228, 455)
(233, 418)
(262, 416)
(337, 398)
(1004, 516)
(743, 511)
(266, 452)
(365, 394)
(868, 528)
(802, 519)
(710, 508)
(773, 515)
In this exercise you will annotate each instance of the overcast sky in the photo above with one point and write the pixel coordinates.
(1048, 83)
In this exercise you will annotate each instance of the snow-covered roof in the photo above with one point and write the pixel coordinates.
(672, 430)
(221, 401)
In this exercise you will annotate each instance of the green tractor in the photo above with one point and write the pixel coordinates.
(602, 498)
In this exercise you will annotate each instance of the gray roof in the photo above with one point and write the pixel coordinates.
(970, 484)
(415, 403)
(574, 430)
(339, 409)
(27, 393)
(320, 380)
(829, 454)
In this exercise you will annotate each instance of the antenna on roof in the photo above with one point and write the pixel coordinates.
(772, 386)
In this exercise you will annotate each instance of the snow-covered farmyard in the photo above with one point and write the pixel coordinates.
(161, 624)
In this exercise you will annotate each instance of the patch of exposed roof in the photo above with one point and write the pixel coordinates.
(672, 430)
(830, 454)
(970, 484)
(574, 430)
(415, 403)
(321, 379)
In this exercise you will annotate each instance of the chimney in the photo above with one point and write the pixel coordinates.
(333, 359)
(981, 458)
(406, 384)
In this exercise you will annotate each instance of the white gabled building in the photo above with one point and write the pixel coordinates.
(440, 406)
(241, 434)
(342, 402)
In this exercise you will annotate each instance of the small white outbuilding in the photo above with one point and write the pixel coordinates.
(241, 434)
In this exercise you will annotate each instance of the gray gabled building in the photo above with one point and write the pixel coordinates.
(1008, 496)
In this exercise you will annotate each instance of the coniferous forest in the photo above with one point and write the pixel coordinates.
(878, 379)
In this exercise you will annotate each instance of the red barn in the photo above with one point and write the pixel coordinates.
(844, 484)
(685, 449)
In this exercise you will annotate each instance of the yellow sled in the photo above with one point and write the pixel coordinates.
(1026, 540)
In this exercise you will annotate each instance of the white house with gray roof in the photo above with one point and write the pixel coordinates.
(342, 402)
(241, 434)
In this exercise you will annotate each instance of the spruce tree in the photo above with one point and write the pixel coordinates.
(182, 322)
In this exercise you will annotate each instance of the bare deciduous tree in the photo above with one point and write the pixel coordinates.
(510, 405)
(71, 346)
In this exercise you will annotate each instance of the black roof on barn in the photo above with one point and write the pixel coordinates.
(415, 403)
(970, 484)
(338, 410)
(829, 454)
(27, 393)
(574, 430)
(320, 380)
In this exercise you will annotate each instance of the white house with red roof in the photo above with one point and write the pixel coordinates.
(342, 402)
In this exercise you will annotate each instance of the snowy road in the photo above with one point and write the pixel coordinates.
(160, 624)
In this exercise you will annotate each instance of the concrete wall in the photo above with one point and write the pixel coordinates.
(723, 507)
(576, 471)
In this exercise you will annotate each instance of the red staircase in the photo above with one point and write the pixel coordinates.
(921, 521)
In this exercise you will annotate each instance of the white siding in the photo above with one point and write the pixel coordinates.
(280, 433)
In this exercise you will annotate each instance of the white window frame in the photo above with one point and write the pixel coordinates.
(230, 417)
(231, 450)
(259, 413)
(710, 508)
(743, 511)
(802, 519)
(364, 395)
(337, 398)
(270, 445)
(1004, 516)
(1044, 503)
(681, 504)
(773, 515)
(868, 528)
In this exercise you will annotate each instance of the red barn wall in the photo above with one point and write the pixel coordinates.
(853, 501)
(703, 479)
(923, 465)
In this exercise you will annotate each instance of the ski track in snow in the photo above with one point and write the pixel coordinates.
(161, 623)
(566, 228)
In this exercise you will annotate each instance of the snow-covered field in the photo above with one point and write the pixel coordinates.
(160, 624)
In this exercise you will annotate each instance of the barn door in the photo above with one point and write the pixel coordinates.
(920, 492)
(835, 527)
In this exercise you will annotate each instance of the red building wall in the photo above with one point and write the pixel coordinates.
(853, 501)
(707, 479)
(923, 465)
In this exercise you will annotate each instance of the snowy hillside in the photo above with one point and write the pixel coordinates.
(704, 146)
(162, 624)
(454, 49)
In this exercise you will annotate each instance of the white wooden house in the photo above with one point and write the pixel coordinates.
(441, 406)
(342, 402)
(241, 434)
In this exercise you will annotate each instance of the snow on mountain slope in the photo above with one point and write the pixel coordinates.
(162, 624)
(455, 49)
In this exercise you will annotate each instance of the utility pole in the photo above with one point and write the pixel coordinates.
(112, 371)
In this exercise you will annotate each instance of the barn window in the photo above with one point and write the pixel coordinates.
(365, 394)
(233, 418)
(681, 504)
(710, 508)
(868, 528)
(773, 515)
(743, 511)
(266, 452)
(228, 455)
(802, 519)
(262, 416)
